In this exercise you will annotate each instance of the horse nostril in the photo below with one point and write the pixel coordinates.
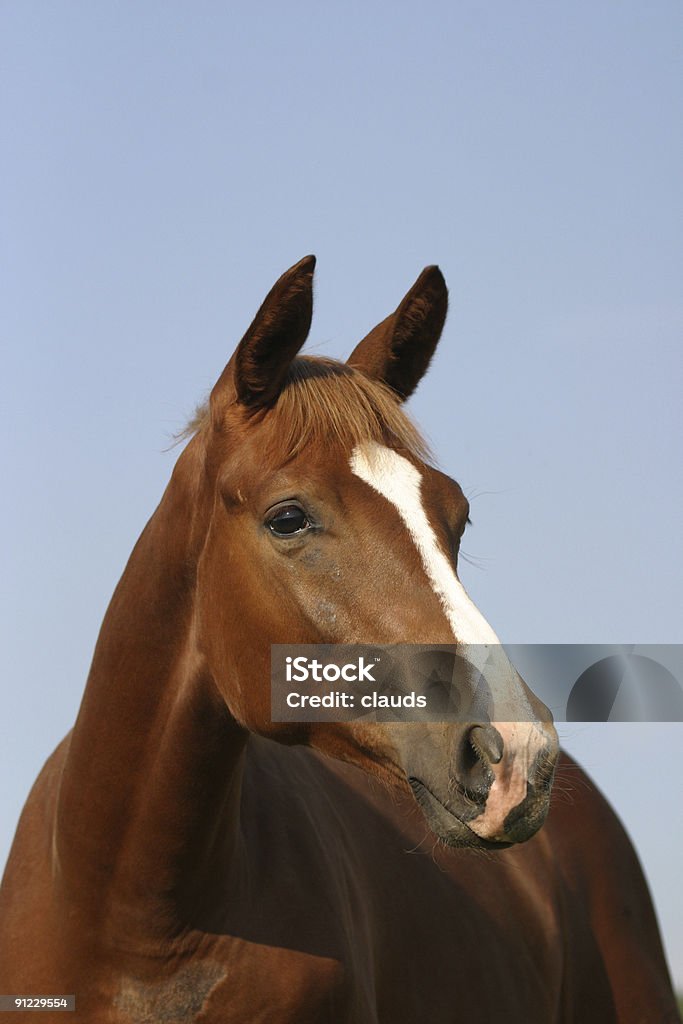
(487, 743)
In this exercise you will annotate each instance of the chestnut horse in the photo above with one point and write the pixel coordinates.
(183, 858)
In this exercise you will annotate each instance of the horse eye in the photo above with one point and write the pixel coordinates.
(288, 520)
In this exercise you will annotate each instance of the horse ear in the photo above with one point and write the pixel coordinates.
(256, 372)
(398, 351)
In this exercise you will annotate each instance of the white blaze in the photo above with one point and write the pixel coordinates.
(399, 481)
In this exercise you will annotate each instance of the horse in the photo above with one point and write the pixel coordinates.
(182, 857)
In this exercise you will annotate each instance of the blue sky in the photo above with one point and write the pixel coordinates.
(166, 161)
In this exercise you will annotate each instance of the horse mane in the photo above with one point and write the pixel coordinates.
(326, 402)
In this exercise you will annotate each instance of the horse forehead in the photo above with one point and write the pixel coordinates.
(408, 484)
(258, 463)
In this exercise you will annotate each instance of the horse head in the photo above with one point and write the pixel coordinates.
(324, 522)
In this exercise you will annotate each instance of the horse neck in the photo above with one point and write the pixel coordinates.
(147, 820)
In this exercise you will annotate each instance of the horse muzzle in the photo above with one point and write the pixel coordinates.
(494, 789)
